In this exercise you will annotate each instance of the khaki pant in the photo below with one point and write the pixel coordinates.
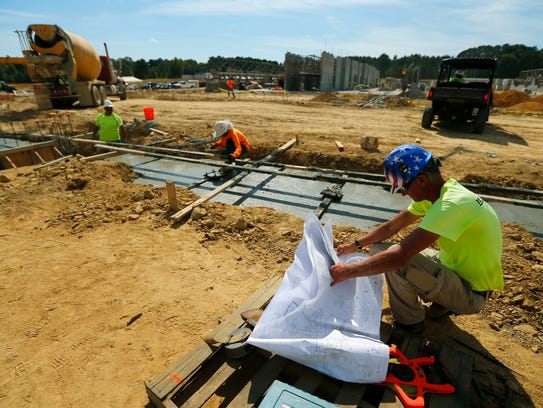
(424, 278)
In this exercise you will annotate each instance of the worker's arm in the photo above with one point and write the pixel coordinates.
(95, 130)
(122, 131)
(392, 258)
(219, 143)
(381, 233)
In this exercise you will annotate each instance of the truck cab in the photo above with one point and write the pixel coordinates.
(463, 92)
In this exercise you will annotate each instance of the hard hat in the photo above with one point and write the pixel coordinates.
(108, 104)
(459, 74)
(403, 164)
(222, 126)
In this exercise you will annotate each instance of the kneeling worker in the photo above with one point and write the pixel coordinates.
(462, 223)
(233, 142)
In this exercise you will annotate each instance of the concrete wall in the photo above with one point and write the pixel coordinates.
(330, 75)
(327, 72)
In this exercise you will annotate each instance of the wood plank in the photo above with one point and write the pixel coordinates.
(188, 209)
(340, 146)
(350, 395)
(459, 365)
(260, 382)
(259, 299)
(100, 156)
(38, 156)
(308, 380)
(29, 147)
(174, 377)
(160, 132)
(198, 398)
(10, 161)
(390, 400)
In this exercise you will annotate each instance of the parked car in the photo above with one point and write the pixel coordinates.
(185, 84)
(4, 86)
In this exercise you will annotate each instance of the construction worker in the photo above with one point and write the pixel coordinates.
(230, 86)
(458, 77)
(233, 142)
(468, 267)
(109, 125)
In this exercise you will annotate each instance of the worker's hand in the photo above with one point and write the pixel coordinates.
(338, 272)
(344, 249)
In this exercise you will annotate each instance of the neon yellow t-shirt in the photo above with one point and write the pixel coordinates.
(109, 127)
(470, 240)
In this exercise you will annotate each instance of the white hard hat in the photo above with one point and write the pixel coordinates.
(222, 126)
(108, 104)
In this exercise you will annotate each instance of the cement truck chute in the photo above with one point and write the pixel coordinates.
(66, 69)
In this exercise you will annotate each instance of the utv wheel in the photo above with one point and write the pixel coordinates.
(427, 118)
(479, 121)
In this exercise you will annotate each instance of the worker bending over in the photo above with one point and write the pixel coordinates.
(233, 142)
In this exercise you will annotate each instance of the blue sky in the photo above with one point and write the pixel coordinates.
(199, 29)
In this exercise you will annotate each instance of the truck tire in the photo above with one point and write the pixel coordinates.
(427, 118)
(122, 92)
(103, 94)
(479, 121)
(96, 96)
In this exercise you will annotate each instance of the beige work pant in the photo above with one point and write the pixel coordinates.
(424, 278)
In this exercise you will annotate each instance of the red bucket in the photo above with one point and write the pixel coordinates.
(149, 113)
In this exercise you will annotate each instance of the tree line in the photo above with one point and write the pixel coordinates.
(512, 59)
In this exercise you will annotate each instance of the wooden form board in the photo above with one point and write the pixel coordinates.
(162, 387)
(28, 155)
(206, 376)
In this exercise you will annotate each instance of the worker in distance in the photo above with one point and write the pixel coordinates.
(468, 268)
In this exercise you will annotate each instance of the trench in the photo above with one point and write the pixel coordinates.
(364, 203)
(360, 200)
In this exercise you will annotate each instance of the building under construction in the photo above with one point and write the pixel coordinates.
(327, 73)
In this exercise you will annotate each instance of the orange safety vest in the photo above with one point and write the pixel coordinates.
(237, 137)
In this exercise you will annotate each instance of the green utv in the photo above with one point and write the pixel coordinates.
(463, 92)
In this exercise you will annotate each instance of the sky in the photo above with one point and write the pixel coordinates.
(268, 29)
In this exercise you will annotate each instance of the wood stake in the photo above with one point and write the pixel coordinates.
(172, 199)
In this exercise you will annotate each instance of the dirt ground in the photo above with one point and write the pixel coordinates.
(99, 290)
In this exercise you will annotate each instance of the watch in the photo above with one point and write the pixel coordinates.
(357, 243)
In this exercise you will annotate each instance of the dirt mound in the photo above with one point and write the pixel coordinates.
(518, 101)
(530, 106)
(516, 310)
(509, 98)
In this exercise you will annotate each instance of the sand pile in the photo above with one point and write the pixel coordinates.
(518, 101)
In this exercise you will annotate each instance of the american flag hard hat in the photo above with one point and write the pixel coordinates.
(403, 164)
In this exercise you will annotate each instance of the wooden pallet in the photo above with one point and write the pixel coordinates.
(207, 377)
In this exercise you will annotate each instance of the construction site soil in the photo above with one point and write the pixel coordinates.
(100, 290)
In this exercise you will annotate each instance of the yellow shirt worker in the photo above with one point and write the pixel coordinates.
(109, 125)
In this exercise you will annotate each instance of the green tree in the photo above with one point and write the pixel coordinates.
(141, 69)
(508, 66)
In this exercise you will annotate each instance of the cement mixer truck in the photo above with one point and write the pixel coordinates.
(66, 69)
